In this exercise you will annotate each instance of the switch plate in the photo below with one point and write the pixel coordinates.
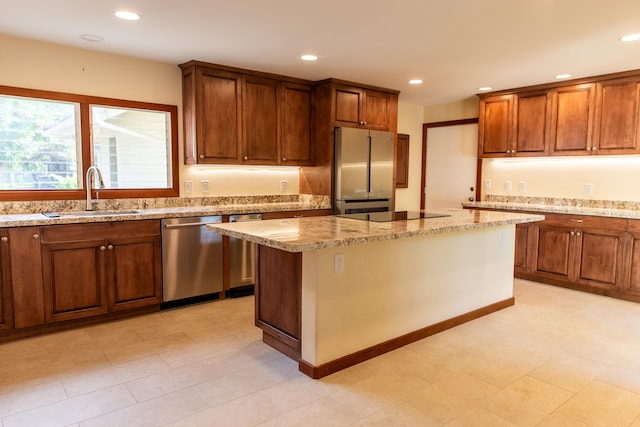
(188, 186)
(508, 186)
(204, 186)
(338, 263)
(487, 184)
(283, 186)
(522, 186)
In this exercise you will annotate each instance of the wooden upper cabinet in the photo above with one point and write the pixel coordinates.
(362, 107)
(296, 118)
(617, 124)
(237, 116)
(572, 119)
(212, 111)
(530, 124)
(259, 121)
(402, 161)
(495, 126)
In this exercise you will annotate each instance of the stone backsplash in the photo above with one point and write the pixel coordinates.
(557, 201)
(26, 207)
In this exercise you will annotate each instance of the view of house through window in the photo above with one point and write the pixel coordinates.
(45, 136)
(39, 144)
(130, 147)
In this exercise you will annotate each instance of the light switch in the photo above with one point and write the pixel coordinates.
(338, 263)
(588, 188)
(188, 186)
(204, 186)
(508, 186)
(283, 186)
(487, 184)
(522, 186)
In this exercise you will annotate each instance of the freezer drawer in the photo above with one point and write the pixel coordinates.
(191, 259)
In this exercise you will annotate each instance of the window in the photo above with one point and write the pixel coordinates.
(48, 140)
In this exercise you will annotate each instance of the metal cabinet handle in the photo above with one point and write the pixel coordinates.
(110, 247)
(4, 239)
(577, 233)
(577, 220)
(201, 156)
(103, 248)
(284, 159)
(572, 233)
(588, 148)
(36, 236)
(246, 157)
(594, 148)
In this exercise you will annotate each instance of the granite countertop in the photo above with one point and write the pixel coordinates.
(110, 215)
(571, 209)
(312, 233)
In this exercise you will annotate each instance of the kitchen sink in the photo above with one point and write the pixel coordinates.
(91, 213)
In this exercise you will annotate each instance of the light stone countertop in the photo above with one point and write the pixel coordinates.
(552, 208)
(75, 217)
(312, 233)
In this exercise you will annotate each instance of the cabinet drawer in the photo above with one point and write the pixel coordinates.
(586, 221)
(98, 230)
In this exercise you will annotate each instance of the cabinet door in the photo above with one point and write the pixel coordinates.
(375, 114)
(348, 106)
(523, 248)
(6, 297)
(617, 127)
(26, 277)
(259, 121)
(632, 259)
(554, 251)
(74, 279)
(530, 124)
(572, 119)
(495, 126)
(296, 130)
(599, 257)
(217, 116)
(402, 161)
(135, 274)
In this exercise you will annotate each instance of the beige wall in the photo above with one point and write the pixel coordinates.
(465, 109)
(410, 122)
(46, 66)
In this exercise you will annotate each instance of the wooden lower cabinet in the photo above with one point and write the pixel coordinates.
(93, 269)
(6, 296)
(278, 285)
(26, 277)
(599, 258)
(524, 243)
(632, 259)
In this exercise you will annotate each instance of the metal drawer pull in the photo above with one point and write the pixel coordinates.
(4, 239)
(577, 220)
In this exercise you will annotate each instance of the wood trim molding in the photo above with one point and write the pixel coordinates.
(336, 365)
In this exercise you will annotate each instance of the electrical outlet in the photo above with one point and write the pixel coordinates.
(588, 188)
(188, 186)
(508, 186)
(204, 186)
(338, 263)
(283, 186)
(487, 184)
(522, 186)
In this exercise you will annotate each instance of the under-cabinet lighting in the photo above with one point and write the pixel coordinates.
(127, 15)
(630, 38)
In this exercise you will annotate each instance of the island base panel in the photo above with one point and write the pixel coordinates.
(329, 368)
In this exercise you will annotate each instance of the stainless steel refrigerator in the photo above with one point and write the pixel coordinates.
(363, 170)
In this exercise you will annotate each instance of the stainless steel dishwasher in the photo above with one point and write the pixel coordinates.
(241, 267)
(191, 260)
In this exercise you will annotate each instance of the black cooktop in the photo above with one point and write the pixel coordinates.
(392, 216)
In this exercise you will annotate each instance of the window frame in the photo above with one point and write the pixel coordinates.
(85, 102)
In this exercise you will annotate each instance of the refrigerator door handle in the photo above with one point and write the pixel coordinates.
(369, 166)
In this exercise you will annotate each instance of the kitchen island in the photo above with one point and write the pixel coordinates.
(332, 292)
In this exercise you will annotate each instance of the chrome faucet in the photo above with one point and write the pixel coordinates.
(99, 183)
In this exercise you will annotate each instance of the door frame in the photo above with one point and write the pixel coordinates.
(423, 178)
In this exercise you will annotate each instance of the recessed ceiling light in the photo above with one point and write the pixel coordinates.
(91, 38)
(485, 88)
(563, 76)
(126, 15)
(630, 38)
(309, 57)
(415, 81)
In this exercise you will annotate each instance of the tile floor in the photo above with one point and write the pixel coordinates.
(556, 358)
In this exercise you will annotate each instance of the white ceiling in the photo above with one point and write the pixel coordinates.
(455, 46)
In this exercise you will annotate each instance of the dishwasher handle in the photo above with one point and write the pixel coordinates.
(190, 224)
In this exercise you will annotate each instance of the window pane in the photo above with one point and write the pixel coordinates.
(39, 144)
(131, 147)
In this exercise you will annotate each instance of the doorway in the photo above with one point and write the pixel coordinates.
(450, 163)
